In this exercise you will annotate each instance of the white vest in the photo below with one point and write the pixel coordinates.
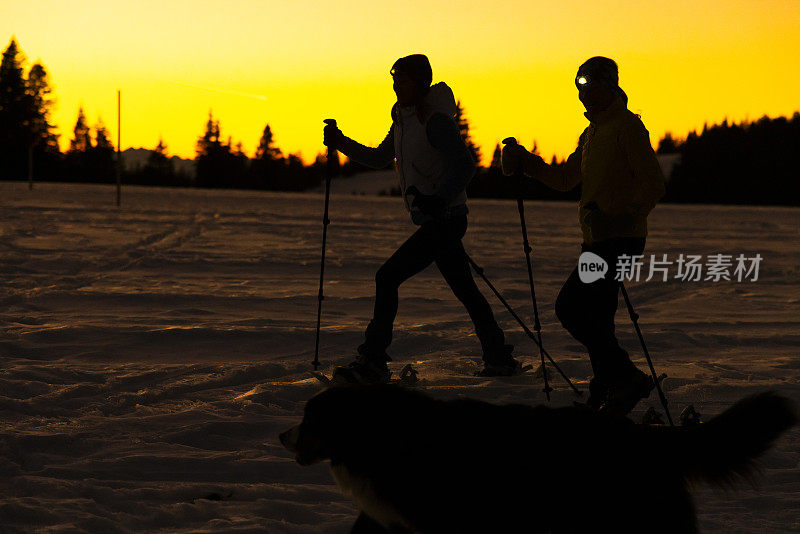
(418, 162)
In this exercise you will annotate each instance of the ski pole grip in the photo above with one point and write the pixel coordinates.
(333, 154)
(512, 141)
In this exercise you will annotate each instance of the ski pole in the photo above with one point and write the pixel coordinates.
(331, 170)
(537, 327)
(478, 269)
(635, 319)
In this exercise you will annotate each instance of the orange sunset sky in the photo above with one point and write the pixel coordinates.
(293, 63)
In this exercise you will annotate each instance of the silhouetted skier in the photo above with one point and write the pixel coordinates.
(434, 167)
(621, 183)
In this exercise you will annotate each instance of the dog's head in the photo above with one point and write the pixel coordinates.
(347, 420)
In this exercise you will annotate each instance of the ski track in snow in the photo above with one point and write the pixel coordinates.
(150, 355)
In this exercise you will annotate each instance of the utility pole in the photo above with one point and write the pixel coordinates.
(119, 149)
(30, 165)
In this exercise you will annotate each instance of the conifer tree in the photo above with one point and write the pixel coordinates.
(159, 153)
(496, 157)
(668, 145)
(239, 163)
(159, 169)
(27, 140)
(102, 140)
(268, 168)
(45, 156)
(265, 149)
(77, 159)
(39, 90)
(82, 138)
(463, 128)
(217, 166)
(16, 117)
(101, 165)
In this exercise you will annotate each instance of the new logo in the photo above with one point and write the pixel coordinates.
(591, 267)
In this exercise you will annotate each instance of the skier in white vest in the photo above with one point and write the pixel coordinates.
(434, 167)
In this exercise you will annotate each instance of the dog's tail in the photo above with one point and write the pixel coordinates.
(724, 449)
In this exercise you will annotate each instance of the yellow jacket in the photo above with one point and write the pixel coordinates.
(621, 178)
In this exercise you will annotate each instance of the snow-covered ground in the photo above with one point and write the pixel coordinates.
(150, 355)
(371, 183)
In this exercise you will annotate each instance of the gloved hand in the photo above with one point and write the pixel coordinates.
(512, 158)
(432, 205)
(332, 136)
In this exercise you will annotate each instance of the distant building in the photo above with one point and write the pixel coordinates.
(668, 162)
(136, 158)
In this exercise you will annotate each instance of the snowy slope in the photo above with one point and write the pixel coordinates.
(150, 356)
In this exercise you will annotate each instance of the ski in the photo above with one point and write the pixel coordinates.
(654, 415)
(324, 380)
(521, 370)
(408, 377)
(688, 417)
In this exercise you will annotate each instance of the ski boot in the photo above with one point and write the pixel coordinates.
(624, 394)
(689, 416)
(368, 368)
(500, 363)
(598, 392)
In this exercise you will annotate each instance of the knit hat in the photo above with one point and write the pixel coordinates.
(602, 69)
(418, 68)
(605, 71)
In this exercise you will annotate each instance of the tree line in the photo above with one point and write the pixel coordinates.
(747, 163)
(221, 164)
(26, 133)
(751, 163)
(29, 147)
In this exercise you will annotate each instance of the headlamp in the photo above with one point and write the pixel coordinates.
(582, 81)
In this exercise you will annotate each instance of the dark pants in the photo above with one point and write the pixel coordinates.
(587, 310)
(435, 242)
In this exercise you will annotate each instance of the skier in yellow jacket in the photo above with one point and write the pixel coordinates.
(621, 182)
